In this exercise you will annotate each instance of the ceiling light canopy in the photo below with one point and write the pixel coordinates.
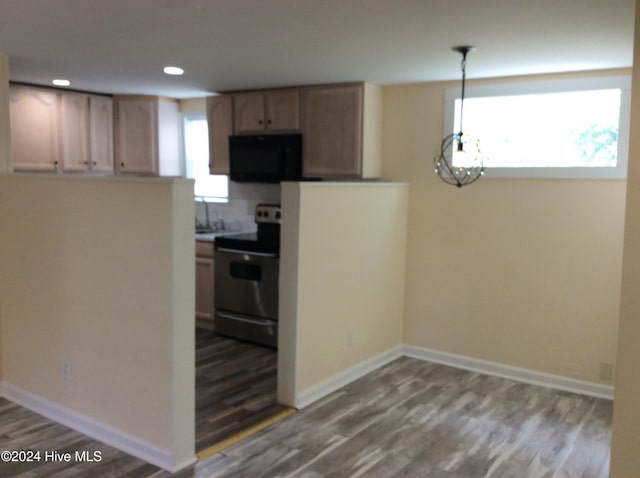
(173, 70)
(459, 161)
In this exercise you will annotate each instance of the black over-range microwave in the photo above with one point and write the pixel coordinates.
(268, 158)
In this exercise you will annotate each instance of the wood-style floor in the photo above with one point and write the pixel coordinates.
(409, 418)
(417, 419)
(235, 387)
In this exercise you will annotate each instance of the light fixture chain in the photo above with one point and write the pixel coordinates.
(463, 67)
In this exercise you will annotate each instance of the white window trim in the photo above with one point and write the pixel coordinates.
(622, 82)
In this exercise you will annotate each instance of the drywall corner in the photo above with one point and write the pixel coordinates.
(6, 163)
(288, 305)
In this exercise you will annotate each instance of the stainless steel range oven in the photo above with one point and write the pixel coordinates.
(246, 280)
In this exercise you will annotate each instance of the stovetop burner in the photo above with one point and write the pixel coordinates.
(265, 240)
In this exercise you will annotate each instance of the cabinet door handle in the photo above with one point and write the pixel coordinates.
(269, 121)
(260, 122)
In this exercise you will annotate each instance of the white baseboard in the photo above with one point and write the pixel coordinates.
(94, 429)
(341, 379)
(163, 458)
(514, 373)
(471, 364)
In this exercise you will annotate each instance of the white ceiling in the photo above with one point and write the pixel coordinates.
(120, 46)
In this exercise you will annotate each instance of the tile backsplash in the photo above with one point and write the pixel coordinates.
(237, 214)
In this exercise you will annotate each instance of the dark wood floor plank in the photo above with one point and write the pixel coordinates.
(409, 418)
(236, 385)
(417, 419)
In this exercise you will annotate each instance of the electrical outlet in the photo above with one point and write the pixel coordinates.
(349, 338)
(66, 368)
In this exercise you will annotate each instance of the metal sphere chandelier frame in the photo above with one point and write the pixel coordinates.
(459, 161)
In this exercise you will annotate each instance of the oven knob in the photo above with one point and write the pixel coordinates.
(278, 215)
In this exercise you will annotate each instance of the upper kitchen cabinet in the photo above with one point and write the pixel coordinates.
(74, 135)
(220, 124)
(86, 133)
(34, 129)
(147, 135)
(266, 111)
(101, 134)
(341, 128)
(60, 131)
(340, 125)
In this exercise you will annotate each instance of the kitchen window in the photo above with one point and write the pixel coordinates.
(210, 187)
(549, 129)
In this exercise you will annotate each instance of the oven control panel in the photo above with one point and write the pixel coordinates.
(268, 213)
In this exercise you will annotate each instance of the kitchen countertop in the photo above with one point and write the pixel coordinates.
(211, 236)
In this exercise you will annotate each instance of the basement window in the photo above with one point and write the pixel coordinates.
(210, 187)
(549, 129)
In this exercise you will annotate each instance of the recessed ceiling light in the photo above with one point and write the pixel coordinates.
(61, 82)
(173, 70)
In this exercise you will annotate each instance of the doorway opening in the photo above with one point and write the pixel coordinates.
(236, 389)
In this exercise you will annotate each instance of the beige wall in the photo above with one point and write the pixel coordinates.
(520, 272)
(100, 272)
(6, 164)
(625, 459)
(5, 143)
(342, 271)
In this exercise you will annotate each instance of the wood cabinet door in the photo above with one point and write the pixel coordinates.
(248, 113)
(136, 136)
(205, 308)
(74, 134)
(220, 124)
(282, 110)
(332, 131)
(34, 129)
(101, 133)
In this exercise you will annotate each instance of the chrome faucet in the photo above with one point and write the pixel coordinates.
(206, 210)
(208, 226)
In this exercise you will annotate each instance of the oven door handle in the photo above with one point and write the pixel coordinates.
(249, 253)
(255, 321)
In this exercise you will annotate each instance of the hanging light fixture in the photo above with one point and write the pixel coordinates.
(459, 161)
